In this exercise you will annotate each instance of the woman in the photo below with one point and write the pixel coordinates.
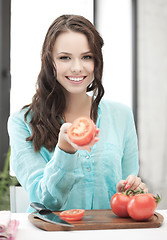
(48, 165)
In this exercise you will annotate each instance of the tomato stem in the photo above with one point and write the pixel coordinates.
(157, 198)
(132, 192)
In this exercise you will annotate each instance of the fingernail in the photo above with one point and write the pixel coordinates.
(125, 182)
(96, 139)
(97, 130)
(127, 187)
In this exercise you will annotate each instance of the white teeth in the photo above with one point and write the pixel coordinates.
(75, 79)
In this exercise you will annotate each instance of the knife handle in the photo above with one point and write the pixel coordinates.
(40, 208)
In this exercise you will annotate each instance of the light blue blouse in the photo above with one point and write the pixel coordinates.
(85, 180)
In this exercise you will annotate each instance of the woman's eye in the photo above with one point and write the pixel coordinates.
(65, 58)
(87, 57)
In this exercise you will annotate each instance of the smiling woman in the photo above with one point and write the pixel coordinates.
(56, 93)
(51, 168)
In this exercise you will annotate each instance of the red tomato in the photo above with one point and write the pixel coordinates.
(156, 199)
(119, 202)
(72, 214)
(82, 131)
(142, 206)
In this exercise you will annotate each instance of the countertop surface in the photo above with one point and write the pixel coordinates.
(28, 231)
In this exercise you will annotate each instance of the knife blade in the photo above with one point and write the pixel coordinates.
(47, 215)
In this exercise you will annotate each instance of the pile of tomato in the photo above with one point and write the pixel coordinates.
(138, 205)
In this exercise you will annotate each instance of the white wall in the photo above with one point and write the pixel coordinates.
(114, 24)
(30, 20)
(152, 95)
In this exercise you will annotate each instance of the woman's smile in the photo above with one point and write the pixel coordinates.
(76, 79)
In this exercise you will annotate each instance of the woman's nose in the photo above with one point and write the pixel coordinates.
(76, 66)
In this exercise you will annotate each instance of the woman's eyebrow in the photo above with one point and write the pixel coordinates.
(88, 52)
(64, 53)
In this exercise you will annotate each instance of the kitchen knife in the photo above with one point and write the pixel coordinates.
(47, 215)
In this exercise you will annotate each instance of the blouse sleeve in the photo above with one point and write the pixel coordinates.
(45, 181)
(130, 155)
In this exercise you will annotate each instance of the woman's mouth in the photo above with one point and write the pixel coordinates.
(75, 79)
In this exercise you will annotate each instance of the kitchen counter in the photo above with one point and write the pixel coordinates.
(27, 231)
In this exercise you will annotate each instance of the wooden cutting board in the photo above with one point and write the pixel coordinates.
(98, 220)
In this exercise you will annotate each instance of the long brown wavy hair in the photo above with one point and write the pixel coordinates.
(48, 103)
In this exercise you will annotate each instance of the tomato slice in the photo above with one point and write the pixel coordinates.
(72, 214)
(70, 219)
(82, 131)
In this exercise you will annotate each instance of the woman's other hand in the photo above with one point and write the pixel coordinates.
(132, 182)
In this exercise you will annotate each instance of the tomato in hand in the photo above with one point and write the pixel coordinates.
(82, 131)
(142, 206)
(72, 214)
(119, 202)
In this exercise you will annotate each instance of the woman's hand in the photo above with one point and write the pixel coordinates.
(132, 182)
(65, 143)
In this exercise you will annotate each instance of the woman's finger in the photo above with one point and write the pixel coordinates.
(143, 187)
(120, 185)
(97, 131)
(132, 182)
(136, 183)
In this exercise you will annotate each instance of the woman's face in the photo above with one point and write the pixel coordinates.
(74, 61)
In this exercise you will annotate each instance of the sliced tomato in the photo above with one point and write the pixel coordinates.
(72, 214)
(82, 131)
(70, 219)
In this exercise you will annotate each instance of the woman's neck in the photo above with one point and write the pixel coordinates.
(77, 105)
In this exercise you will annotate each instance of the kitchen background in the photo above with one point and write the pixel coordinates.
(135, 67)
